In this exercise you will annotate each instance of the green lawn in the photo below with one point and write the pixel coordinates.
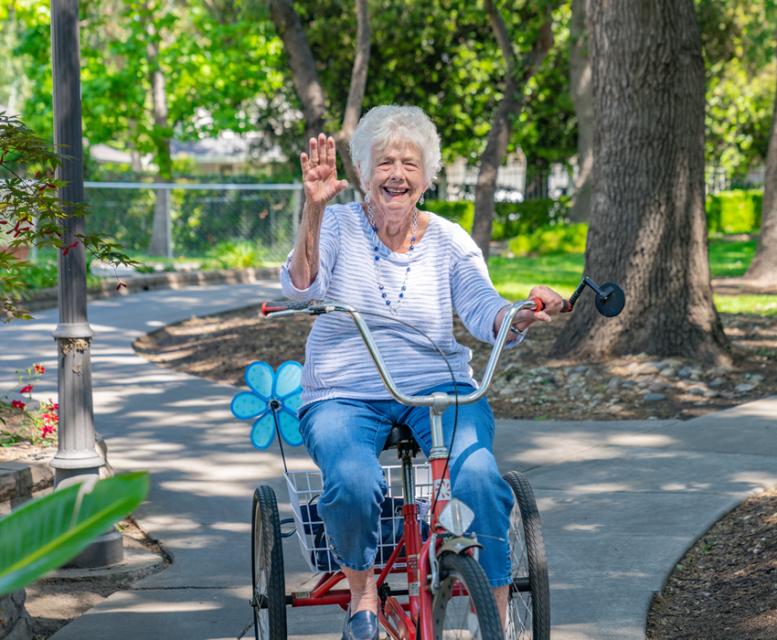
(730, 259)
(514, 277)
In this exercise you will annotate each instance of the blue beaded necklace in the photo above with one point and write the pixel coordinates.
(393, 307)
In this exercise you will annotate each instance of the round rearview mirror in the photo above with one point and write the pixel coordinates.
(612, 302)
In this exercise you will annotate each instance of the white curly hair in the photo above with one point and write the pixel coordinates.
(387, 124)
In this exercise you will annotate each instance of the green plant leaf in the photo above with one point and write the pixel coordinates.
(47, 532)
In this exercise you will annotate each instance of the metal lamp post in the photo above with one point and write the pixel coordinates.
(77, 458)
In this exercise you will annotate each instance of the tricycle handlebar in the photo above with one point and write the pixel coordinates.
(439, 401)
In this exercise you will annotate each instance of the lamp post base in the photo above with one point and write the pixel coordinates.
(106, 550)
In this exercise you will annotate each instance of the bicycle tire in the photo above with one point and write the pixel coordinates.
(269, 586)
(468, 616)
(528, 611)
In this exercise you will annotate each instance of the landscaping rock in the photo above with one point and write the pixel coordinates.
(15, 623)
(654, 397)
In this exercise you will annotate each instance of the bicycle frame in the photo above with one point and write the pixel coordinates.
(403, 620)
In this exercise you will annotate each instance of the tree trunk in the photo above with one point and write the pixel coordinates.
(353, 106)
(516, 76)
(763, 268)
(307, 84)
(580, 88)
(161, 242)
(647, 229)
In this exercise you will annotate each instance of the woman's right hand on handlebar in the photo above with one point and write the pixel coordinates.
(319, 172)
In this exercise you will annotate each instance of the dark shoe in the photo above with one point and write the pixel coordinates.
(362, 625)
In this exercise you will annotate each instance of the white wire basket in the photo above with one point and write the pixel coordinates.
(305, 487)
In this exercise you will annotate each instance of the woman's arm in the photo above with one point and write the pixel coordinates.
(320, 183)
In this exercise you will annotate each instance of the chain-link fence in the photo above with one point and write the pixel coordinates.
(197, 220)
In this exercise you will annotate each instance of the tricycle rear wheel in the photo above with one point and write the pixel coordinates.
(528, 610)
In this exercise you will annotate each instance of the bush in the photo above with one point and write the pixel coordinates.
(522, 218)
(510, 218)
(459, 211)
(239, 254)
(551, 239)
(734, 211)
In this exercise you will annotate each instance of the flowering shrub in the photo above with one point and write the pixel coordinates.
(19, 423)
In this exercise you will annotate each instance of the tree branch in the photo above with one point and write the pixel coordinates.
(361, 61)
(509, 107)
(302, 64)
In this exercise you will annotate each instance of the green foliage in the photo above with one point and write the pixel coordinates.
(553, 239)
(441, 56)
(215, 63)
(738, 38)
(730, 259)
(32, 214)
(510, 218)
(47, 532)
(460, 211)
(734, 211)
(521, 218)
(236, 254)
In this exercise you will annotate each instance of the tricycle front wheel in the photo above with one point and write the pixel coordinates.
(269, 587)
(463, 606)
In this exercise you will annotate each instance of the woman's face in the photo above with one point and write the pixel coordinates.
(397, 180)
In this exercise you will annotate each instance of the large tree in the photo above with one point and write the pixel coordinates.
(648, 229)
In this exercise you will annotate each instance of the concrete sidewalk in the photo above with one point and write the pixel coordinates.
(620, 501)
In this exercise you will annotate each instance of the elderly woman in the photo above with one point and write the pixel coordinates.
(386, 255)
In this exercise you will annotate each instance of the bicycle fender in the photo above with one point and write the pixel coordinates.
(459, 545)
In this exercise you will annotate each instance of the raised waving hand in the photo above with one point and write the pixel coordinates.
(319, 171)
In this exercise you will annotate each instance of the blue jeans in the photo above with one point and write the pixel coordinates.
(345, 437)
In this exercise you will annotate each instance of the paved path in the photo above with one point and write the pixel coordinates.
(620, 501)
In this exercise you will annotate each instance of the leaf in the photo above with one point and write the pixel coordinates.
(47, 532)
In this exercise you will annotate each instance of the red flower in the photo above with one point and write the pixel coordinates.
(18, 404)
(39, 368)
(26, 389)
(47, 430)
(55, 406)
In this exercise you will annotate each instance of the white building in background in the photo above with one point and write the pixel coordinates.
(459, 180)
(227, 154)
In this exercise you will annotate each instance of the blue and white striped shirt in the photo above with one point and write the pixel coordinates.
(447, 274)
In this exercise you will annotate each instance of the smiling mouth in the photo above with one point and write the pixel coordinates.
(394, 192)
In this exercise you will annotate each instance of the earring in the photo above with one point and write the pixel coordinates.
(421, 199)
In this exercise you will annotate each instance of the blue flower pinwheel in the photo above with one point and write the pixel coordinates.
(273, 402)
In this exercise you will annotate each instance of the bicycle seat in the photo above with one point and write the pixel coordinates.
(402, 438)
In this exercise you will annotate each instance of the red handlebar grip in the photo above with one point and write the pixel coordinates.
(268, 308)
(566, 307)
(539, 305)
